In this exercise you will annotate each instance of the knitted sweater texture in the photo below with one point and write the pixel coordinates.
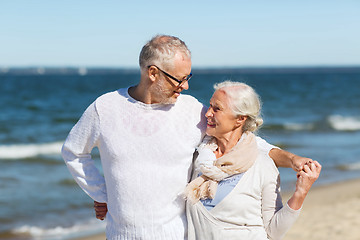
(146, 154)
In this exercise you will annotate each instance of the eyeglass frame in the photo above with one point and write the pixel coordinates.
(180, 82)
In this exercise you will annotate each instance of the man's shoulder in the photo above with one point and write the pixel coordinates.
(188, 99)
(110, 96)
(106, 102)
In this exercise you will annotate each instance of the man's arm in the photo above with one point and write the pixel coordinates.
(281, 157)
(286, 159)
(76, 153)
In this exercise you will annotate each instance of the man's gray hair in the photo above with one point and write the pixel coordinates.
(243, 101)
(160, 51)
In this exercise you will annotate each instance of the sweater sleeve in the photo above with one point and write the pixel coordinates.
(277, 218)
(76, 153)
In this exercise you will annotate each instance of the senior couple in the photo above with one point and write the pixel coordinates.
(147, 134)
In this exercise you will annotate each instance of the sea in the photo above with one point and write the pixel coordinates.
(310, 111)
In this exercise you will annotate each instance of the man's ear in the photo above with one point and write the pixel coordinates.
(152, 72)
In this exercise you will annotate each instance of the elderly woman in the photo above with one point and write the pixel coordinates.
(235, 191)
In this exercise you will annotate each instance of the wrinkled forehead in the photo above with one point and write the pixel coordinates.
(179, 62)
(220, 97)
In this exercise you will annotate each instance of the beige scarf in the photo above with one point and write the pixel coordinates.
(240, 158)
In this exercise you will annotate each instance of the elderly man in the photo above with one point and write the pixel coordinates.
(146, 135)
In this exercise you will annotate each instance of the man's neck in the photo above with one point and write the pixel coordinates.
(140, 94)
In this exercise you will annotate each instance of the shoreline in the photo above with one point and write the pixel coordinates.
(330, 212)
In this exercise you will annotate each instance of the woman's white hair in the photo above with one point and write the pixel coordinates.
(243, 101)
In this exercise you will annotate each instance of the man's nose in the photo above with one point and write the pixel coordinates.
(185, 85)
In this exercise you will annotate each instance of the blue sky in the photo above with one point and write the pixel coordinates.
(219, 33)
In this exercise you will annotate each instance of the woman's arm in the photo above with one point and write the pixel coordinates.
(277, 218)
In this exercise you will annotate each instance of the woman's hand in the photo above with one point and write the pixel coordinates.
(305, 179)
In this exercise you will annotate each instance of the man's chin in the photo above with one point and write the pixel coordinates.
(173, 99)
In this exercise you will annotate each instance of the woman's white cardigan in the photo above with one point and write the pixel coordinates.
(252, 210)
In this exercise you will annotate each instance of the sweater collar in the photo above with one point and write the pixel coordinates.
(153, 106)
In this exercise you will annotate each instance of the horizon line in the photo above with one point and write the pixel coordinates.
(82, 71)
(193, 67)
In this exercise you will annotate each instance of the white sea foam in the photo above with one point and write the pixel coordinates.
(61, 233)
(298, 126)
(349, 166)
(344, 123)
(354, 166)
(19, 151)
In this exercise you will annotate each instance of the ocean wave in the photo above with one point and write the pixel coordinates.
(59, 232)
(20, 151)
(344, 123)
(298, 126)
(330, 123)
(349, 167)
(291, 126)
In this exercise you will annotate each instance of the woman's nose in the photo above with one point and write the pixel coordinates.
(208, 112)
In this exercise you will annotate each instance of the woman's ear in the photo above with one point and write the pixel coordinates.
(240, 121)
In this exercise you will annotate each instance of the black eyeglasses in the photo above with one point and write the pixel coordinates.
(180, 82)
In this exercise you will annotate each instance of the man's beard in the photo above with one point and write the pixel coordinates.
(162, 94)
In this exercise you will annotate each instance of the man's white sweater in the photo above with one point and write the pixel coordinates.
(146, 154)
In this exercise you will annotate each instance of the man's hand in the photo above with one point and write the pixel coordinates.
(100, 210)
(298, 162)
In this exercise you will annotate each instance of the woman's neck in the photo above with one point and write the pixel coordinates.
(226, 143)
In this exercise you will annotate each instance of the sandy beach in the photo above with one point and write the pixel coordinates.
(330, 212)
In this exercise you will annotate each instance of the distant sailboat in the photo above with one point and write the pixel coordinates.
(40, 70)
(82, 71)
